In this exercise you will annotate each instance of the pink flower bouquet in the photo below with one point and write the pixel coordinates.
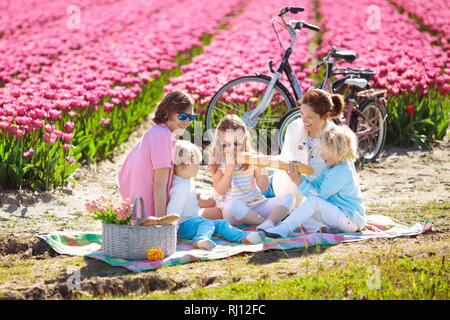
(104, 209)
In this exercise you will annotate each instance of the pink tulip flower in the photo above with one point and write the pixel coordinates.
(69, 126)
(29, 153)
(71, 159)
(104, 121)
(67, 137)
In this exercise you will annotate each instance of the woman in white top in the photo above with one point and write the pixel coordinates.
(318, 108)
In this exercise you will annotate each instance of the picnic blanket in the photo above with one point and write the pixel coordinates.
(90, 244)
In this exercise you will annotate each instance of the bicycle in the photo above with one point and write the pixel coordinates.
(249, 96)
(366, 107)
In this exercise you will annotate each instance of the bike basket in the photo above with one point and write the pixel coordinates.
(131, 242)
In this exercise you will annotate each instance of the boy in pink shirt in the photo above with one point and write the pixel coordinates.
(152, 152)
(148, 168)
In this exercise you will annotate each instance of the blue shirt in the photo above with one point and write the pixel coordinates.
(339, 186)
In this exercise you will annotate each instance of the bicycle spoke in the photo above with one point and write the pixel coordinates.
(368, 143)
(268, 120)
(228, 106)
(220, 110)
(368, 136)
(366, 140)
(236, 107)
(234, 98)
(363, 133)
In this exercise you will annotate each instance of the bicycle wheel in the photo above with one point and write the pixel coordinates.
(370, 130)
(284, 123)
(242, 95)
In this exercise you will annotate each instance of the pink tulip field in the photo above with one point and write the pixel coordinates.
(408, 62)
(25, 17)
(76, 79)
(243, 48)
(404, 57)
(433, 14)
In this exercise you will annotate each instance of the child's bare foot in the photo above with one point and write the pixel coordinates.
(206, 244)
(254, 237)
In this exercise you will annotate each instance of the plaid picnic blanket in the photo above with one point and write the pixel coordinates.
(90, 244)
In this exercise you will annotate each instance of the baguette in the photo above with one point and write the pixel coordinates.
(267, 161)
(154, 221)
(170, 218)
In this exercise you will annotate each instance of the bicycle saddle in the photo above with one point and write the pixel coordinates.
(347, 55)
(359, 82)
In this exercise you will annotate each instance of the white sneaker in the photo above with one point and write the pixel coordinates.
(206, 244)
(280, 231)
(265, 225)
(254, 237)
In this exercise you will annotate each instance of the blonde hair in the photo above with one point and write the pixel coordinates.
(186, 153)
(340, 141)
(230, 124)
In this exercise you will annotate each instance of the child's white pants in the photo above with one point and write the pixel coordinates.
(316, 212)
(235, 210)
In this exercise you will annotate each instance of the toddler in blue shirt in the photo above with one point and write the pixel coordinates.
(334, 200)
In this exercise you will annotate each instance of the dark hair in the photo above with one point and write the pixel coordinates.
(322, 102)
(172, 102)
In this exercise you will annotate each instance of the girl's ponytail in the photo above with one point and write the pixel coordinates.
(338, 106)
(323, 102)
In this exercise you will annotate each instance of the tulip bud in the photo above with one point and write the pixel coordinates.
(69, 126)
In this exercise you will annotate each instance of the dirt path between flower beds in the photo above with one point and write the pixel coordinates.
(399, 184)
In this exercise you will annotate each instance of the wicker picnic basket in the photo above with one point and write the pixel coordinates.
(131, 242)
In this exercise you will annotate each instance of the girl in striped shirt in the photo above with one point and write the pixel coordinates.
(238, 187)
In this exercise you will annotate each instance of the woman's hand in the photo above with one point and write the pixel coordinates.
(293, 173)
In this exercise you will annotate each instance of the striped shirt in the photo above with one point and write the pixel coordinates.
(243, 188)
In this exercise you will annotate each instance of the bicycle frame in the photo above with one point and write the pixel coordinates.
(351, 108)
(351, 104)
(251, 118)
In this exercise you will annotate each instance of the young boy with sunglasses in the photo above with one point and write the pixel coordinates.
(148, 168)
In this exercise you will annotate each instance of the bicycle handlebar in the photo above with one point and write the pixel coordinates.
(291, 27)
(302, 24)
(326, 59)
(293, 10)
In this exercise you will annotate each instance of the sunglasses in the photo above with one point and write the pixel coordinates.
(183, 116)
(228, 144)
